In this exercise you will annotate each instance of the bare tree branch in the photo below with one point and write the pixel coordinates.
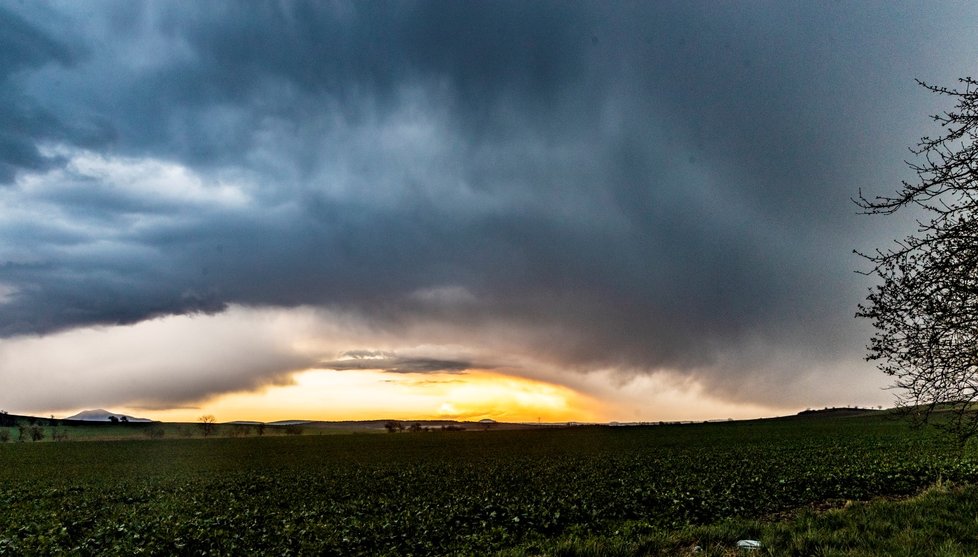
(925, 309)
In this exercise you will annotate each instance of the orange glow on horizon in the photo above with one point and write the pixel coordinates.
(372, 394)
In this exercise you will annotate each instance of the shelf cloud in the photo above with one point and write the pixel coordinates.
(641, 187)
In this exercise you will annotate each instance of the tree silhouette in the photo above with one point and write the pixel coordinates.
(208, 424)
(925, 309)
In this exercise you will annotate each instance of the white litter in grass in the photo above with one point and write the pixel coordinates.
(748, 544)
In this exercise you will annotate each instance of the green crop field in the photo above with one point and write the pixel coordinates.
(460, 493)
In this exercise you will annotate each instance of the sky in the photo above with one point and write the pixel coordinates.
(525, 211)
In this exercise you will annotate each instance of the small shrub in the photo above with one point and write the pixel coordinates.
(4, 435)
(59, 434)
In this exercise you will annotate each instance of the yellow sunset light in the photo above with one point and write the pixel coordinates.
(372, 394)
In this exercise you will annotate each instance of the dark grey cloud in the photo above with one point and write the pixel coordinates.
(640, 186)
(390, 362)
(23, 121)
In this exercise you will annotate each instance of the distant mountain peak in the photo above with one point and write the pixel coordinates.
(102, 415)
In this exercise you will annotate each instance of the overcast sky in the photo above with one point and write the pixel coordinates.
(584, 193)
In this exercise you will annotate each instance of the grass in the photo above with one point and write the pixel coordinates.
(942, 521)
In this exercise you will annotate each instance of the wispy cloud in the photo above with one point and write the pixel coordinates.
(392, 363)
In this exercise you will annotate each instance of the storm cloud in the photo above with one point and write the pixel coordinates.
(641, 187)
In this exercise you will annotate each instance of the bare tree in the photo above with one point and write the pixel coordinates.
(925, 309)
(208, 424)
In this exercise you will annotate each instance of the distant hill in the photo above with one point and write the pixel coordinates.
(838, 412)
(100, 415)
(380, 425)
